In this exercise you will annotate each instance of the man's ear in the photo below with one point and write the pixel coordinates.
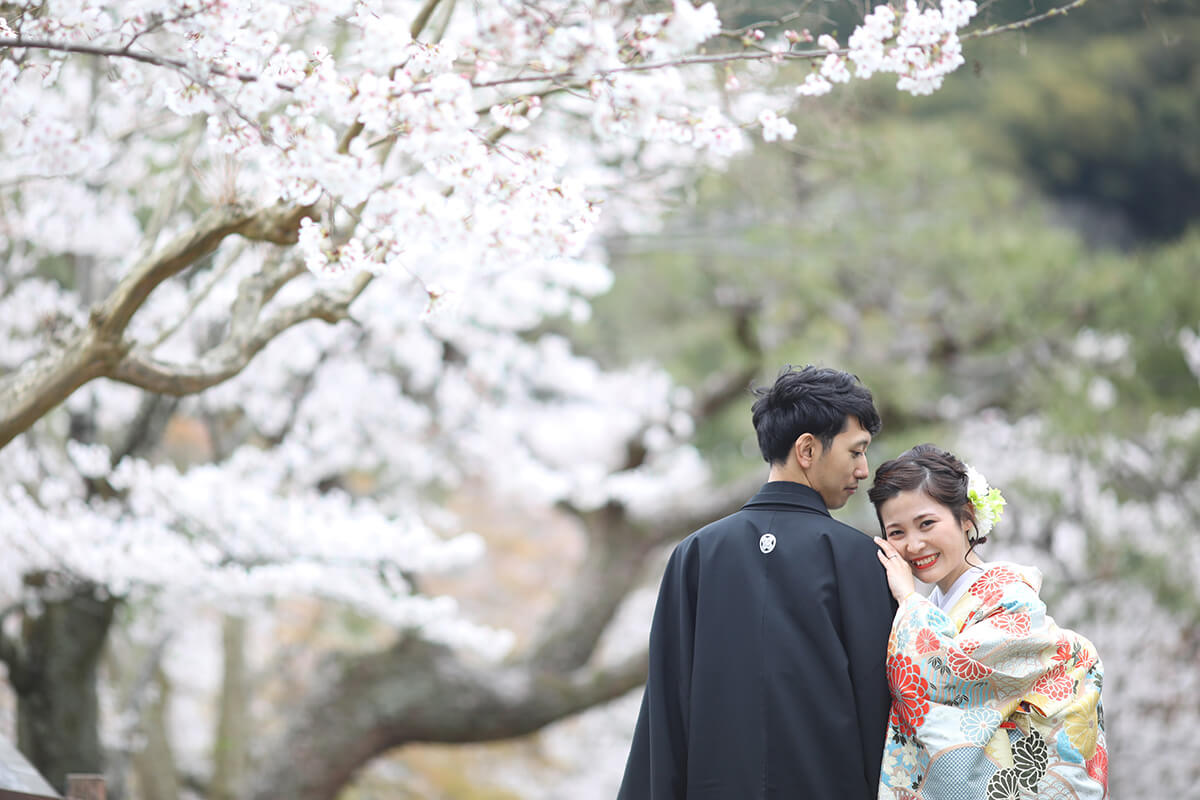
(806, 448)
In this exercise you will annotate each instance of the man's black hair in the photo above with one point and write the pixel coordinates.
(815, 400)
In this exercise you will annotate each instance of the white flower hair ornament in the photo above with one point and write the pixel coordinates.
(987, 500)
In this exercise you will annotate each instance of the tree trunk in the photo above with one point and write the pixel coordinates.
(229, 749)
(57, 708)
(154, 765)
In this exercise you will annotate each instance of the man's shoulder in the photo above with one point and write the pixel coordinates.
(713, 532)
(797, 519)
(847, 537)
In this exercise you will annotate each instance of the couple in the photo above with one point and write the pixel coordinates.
(786, 663)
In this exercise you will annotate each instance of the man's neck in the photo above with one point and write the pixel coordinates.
(787, 472)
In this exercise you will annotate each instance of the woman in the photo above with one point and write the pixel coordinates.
(990, 699)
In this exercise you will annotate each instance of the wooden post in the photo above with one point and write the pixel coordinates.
(85, 787)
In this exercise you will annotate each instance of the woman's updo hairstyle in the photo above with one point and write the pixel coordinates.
(929, 469)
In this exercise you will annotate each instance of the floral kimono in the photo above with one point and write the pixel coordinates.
(992, 701)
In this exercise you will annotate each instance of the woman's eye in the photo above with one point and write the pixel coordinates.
(925, 523)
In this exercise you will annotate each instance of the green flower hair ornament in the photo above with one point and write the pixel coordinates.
(988, 502)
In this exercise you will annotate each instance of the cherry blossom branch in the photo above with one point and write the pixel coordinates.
(422, 18)
(277, 225)
(1023, 23)
(200, 296)
(255, 291)
(145, 57)
(581, 79)
(140, 368)
(159, 22)
(416, 29)
(741, 32)
(444, 22)
(99, 347)
(566, 76)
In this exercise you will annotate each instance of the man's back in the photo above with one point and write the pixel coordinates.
(767, 660)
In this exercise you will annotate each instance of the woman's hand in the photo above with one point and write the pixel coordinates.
(899, 573)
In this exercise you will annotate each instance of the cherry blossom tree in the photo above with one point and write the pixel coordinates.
(190, 188)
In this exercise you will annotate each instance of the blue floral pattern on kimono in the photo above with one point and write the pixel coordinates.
(993, 701)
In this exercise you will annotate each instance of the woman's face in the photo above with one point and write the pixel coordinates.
(927, 536)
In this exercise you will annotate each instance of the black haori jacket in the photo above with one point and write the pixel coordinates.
(767, 660)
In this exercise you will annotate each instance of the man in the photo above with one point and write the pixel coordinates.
(767, 651)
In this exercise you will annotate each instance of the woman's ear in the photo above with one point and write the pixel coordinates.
(971, 529)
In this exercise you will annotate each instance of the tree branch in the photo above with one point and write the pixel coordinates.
(421, 692)
(96, 350)
(273, 225)
(568, 76)
(617, 544)
(143, 56)
(34, 389)
(611, 567)
(422, 19)
(722, 390)
(141, 369)
(1021, 24)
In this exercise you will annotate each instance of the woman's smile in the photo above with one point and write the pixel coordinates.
(924, 562)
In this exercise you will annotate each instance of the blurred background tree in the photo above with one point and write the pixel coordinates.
(1011, 265)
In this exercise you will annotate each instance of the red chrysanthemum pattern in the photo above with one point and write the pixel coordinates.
(1097, 766)
(989, 600)
(1056, 685)
(1015, 624)
(910, 694)
(927, 642)
(992, 581)
(1063, 653)
(965, 667)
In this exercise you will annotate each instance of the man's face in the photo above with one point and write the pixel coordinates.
(837, 469)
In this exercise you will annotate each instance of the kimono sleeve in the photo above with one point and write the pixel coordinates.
(986, 669)
(657, 765)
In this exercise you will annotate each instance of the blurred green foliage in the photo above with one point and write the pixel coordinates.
(1113, 121)
(1099, 108)
(958, 252)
